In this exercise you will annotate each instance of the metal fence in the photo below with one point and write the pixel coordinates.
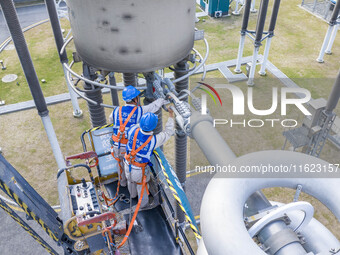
(321, 8)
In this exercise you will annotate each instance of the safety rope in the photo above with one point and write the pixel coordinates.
(176, 196)
(135, 213)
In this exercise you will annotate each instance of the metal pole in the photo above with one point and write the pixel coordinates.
(335, 14)
(181, 69)
(325, 44)
(58, 36)
(332, 39)
(114, 92)
(334, 96)
(245, 22)
(253, 10)
(236, 12)
(97, 113)
(77, 112)
(332, 23)
(262, 72)
(258, 38)
(240, 52)
(250, 81)
(19, 41)
(271, 29)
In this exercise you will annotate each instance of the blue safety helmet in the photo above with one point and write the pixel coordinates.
(129, 93)
(148, 122)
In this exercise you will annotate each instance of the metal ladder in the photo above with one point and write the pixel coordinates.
(319, 140)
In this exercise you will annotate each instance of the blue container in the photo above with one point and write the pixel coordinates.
(215, 8)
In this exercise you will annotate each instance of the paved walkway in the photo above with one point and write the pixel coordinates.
(15, 241)
(28, 15)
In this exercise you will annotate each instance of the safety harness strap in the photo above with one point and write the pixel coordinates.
(120, 137)
(131, 156)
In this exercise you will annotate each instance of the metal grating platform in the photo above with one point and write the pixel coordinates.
(298, 137)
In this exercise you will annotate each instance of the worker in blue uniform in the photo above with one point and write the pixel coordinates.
(139, 149)
(123, 118)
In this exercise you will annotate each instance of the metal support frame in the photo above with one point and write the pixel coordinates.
(271, 29)
(245, 21)
(59, 39)
(330, 34)
(257, 37)
(181, 69)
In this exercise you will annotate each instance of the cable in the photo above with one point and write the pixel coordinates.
(194, 71)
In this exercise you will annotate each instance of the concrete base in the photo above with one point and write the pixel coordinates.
(262, 73)
(237, 71)
(253, 11)
(235, 13)
(78, 114)
(320, 61)
(328, 52)
(250, 83)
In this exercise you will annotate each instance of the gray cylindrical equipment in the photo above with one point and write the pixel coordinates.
(130, 79)
(273, 18)
(246, 13)
(97, 113)
(181, 141)
(261, 21)
(132, 36)
(59, 39)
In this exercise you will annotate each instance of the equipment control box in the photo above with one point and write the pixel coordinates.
(84, 199)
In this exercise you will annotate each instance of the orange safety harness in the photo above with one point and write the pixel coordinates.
(119, 138)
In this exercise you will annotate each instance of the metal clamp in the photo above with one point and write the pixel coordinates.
(306, 207)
